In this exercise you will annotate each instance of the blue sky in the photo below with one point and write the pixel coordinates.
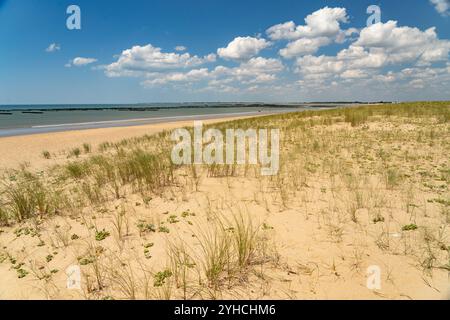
(232, 50)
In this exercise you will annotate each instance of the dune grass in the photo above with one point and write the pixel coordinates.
(144, 163)
(372, 170)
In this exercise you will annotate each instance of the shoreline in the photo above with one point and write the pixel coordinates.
(28, 148)
(65, 127)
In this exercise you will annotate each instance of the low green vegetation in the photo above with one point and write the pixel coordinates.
(101, 235)
(161, 277)
(410, 227)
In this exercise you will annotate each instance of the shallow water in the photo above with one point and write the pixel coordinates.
(16, 121)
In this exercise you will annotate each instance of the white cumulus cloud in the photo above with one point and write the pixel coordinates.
(381, 61)
(140, 60)
(190, 76)
(322, 23)
(405, 44)
(304, 46)
(255, 70)
(321, 28)
(243, 48)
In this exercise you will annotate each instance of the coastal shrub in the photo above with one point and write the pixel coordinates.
(216, 253)
(76, 152)
(87, 148)
(101, 235)
(28, 197)
(103, 147)
(244, 235)
(225, 252)
(356, 117)
(4, 218)
(146, 170)
(393, 178)
(77, 170)
(410, 227)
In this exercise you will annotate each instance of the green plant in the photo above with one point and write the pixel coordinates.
(173, 219)
(216, 254)
(77, 170)
(3, 257)
(265, 226)
(46, 154)
(186, 214)
(87, 148)
(76, 152)
(29, 197)
(163, 229)
(181, 265)
(4, 217)
(120, 223)
(410, 227)
(145, 227)
(355, 116)
(84, 261)
(125, 280)
(378, 218)
(74, 237)
(161, 277)
(244, 235)
(393, 178)
(21, 273)
(101, 235)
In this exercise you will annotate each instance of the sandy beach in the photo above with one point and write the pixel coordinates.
(358, 210)
(27, 149)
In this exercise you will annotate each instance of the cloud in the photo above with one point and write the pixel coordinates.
(381, 61)
(321, 29)
(159, 68)
(354, 74)
(255, 70)
(404, 44)
(243, 48)
(378, 46)
(319, 65)
(140, 60)
(442, 6)
(53, 47)
(304, 46)
(322, 23)
(190, 76)
(258, 66)
(357, 57)
(80, 62)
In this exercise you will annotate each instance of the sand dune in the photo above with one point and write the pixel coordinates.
(359, 189)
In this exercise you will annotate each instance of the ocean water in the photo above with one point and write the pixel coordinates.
(19, 120)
